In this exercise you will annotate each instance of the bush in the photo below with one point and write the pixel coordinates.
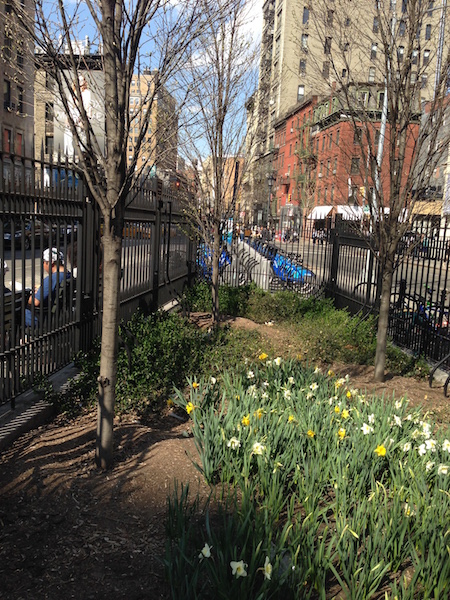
(321, 490)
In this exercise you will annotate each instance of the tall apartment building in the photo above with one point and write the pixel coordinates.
(16, 72)
(308, 48)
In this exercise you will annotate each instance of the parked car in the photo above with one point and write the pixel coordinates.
(24, 234)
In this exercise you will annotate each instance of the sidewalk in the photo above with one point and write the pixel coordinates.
(31, 410)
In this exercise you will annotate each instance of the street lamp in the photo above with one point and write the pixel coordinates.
(270, 181)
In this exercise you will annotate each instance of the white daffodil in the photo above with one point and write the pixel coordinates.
(266, 384)
(406, 446)
(206, 552)
(277, 361)
(291, 380)
(426, 429)
(264, 395)
(267, 569)
(415, 434)
(250, 375)
(238, 568)
(429, 465)
(443, 469)
(430, 445)
(258, 448)
(397, 421)
(366, 429)
(317, 371)
(398, 404)
(421, 449)
(446, 446)
(371, 419)
(313, 387)
(309, 395)
(213, 380)
(234, 443)
(287, 394)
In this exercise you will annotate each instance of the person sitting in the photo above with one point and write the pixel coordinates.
(53, 262)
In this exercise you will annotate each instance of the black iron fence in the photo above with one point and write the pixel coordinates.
(337, 261)
(47, 207)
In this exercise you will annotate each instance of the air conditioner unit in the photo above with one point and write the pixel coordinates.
(292, 130)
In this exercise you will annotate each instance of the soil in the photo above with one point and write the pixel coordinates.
(70, 531)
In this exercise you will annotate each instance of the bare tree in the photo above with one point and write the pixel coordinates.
(130, 36)
(396, 155)
(220, 76)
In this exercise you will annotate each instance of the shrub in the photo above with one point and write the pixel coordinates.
(321, 489)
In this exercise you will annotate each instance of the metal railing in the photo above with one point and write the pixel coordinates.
(46, 206)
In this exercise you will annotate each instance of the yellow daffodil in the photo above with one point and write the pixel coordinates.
(291, 418)
(341, 433)
(299, 357)
(330, 373)
(349, 394)
(259, 413)
(380, 450)
(189, 408)
(263, 356)
(310, 433)
(345, 414)
(195, 385)
(337, 410)
(246, 420)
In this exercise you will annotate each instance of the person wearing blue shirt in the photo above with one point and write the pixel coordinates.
(54, 265)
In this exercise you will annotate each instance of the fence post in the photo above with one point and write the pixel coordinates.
(334, 260)
(156, 248)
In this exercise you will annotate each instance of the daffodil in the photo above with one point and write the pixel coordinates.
(246, 420)
(313, 387)
(310, 433)
(250, 375)
(337, 410)
(397, 421)
(341, 433)
(291, 380)
(330, 373)
(317, 371)
(234, 443)
(371, 419)
(345, 414)
(287, 394)
(446, 446)
(170, 403)
(421, 449)
(406, 446)
(430, 445)
(263, 356)
(238, 568)
(348, 394)
(380, 450)
(429, 465)
(366, 429)
(206, 552)
(339, 383)
(258, 448)
(259, 413)
(189, 408)
(277, 361)
(267, 569)
(291, 419)
(398, 404)
(213, 380)
(443, 469)
(195, 385)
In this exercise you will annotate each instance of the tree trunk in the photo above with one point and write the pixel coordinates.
(112, 253)
(215, 274)
(383, 321)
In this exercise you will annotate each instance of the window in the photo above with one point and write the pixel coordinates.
(430, 8)
(376, 25)
(6, 94)
(20, 107)
(328, 167)
(363, 98)
(325, 195)
(7, 45)
(400, 53)
(355, 166)
(49, 111)
(326, 69)
(344, 73)
(376, 137)
(7, 136)
(335, 166)
(414, 57)
(19, 144)
(321, 169)
(337, 137)
(323, 143)
(426, 57)
(428, 32)
(305, 42)
(404, 6)
(373, 51)
(402, 28)
(318, 195)
(380, 100)
(305, 15)
(8, 8)
(330, 140)
(424, 81)
(300, 93)
(371, 74)
(346, 47)
(347, 22)
(413, 77)
(327, 46)
(302, 68)
(330, 14)
(332, 194)
(357, 135)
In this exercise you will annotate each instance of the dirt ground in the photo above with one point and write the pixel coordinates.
(69, 531)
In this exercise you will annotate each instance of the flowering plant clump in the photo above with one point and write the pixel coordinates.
(350, 474)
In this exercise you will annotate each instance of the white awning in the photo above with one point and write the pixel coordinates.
(350, 212)
(320, 212)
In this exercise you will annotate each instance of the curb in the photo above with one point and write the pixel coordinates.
(31, 410)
